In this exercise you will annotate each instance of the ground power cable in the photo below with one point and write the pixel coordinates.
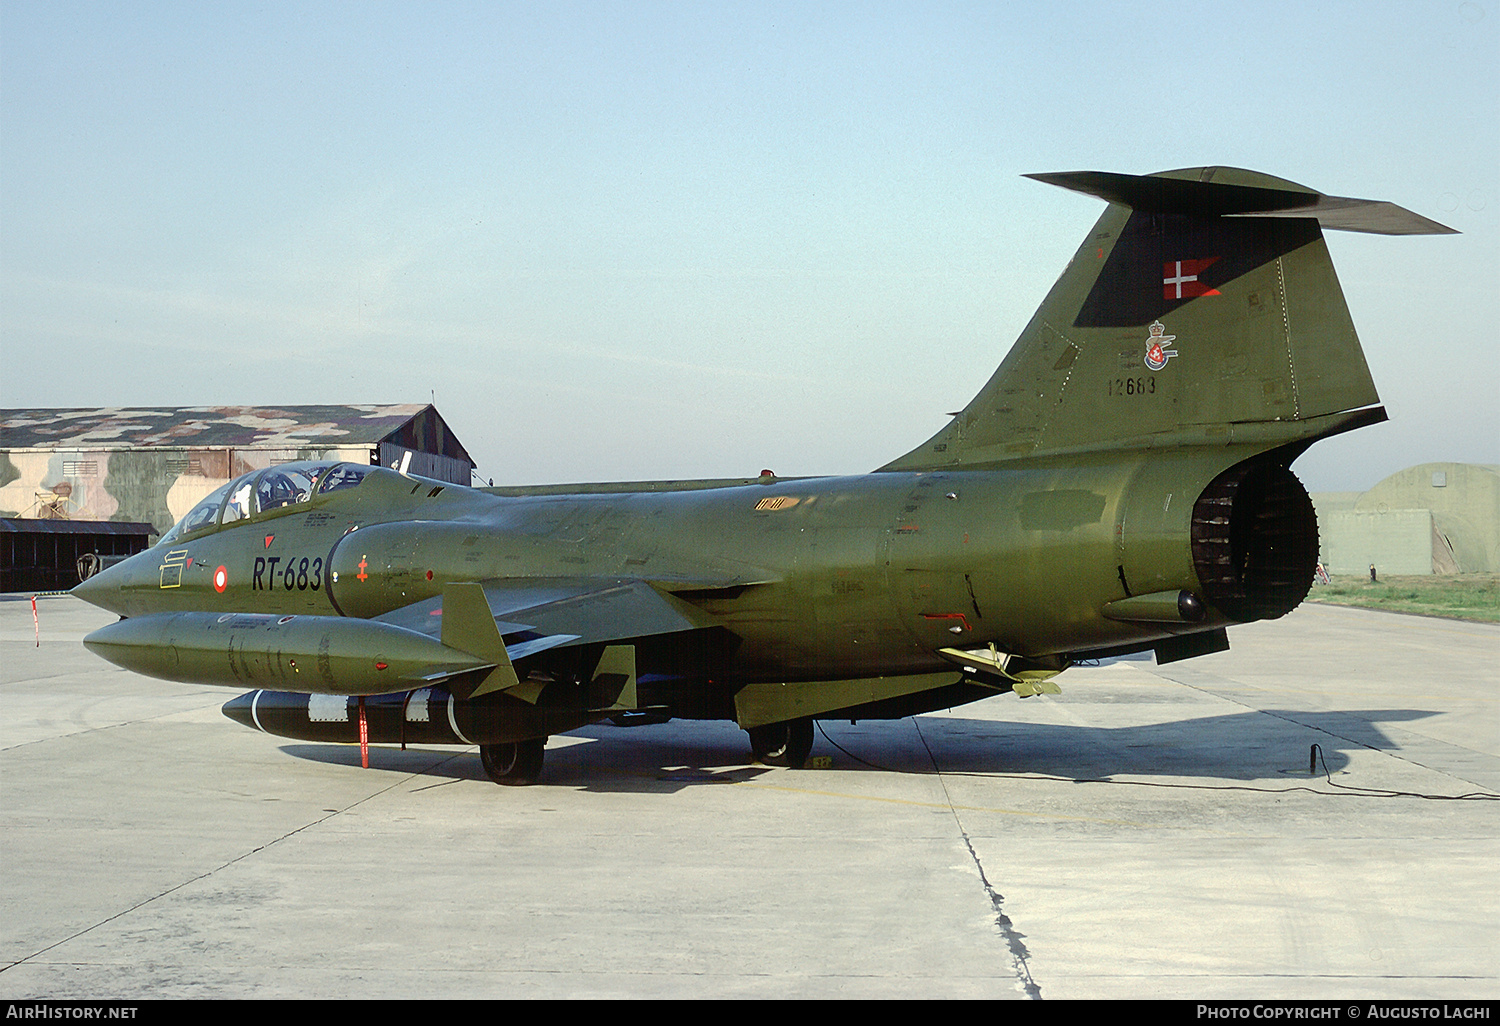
(1316, 753)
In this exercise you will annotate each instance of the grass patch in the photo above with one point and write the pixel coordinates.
(1460, 596)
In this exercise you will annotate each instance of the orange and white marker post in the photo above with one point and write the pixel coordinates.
(364, 736)
(35, 623)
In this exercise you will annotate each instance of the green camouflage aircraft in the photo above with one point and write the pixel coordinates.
(1120, 484)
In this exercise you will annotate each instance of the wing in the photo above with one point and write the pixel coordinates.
(563, 611)
(532, 615)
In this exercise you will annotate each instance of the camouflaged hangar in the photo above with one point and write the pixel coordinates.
(1433, 518)
(82, 487)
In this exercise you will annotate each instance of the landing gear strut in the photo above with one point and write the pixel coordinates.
(782, 744)
(515, 762)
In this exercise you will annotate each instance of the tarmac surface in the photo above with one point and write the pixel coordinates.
(1152, 832)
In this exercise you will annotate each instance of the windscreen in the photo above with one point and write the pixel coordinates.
(205, 514)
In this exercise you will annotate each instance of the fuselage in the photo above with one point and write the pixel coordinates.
(815, 578)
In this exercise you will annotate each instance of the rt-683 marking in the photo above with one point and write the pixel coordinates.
(291, 573)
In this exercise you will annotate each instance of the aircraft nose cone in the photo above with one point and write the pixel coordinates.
(106, 588)
(99, 589)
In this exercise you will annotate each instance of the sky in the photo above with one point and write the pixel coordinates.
(630, 240)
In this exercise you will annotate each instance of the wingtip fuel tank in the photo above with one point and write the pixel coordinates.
(325, 654)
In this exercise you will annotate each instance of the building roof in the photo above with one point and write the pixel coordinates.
(412, 425)
(14, 525)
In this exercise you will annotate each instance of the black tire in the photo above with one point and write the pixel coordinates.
(788, 743)
(514, 763)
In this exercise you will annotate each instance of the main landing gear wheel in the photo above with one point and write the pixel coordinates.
(516, 762)
(782, 744)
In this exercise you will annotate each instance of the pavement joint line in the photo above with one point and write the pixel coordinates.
(91, 730)
(208, 873)
(32, 680)
(1327, 606)
(946, 805)
(1019, 956)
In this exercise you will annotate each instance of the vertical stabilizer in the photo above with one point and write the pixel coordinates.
(1202, 307)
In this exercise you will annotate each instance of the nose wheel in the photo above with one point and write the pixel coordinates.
(514, 763)
(782, 744)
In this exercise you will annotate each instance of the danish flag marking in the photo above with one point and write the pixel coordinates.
(1179, 279)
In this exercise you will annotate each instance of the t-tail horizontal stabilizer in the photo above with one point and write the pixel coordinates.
(1205, 198)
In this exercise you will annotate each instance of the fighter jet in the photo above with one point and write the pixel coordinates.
(1121, 484)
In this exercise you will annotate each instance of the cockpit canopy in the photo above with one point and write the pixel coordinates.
(259, 492)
